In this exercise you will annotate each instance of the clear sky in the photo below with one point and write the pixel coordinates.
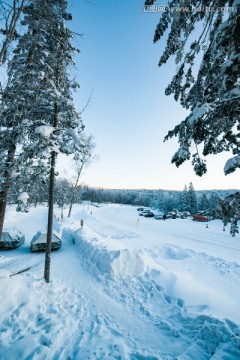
(129, 115)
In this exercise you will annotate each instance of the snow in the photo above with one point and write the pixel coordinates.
(44, 130)
(235, 4)
(199, 113)
(41, 75)
(122, 287)
(75, 135)
(232, 164)
(23, 196)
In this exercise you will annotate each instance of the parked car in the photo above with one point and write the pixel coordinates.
(200, 218)
(173, 215)
(145, 211)
(149, 214)
(140, 209)
(184, 214)
(158, 216)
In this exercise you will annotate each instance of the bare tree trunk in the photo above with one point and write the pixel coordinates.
(74, 190)
(4, 191)
(70, 207)
(236, 33)
(50, 219)
(50, 205)
(3, 205)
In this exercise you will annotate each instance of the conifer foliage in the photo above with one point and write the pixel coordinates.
(230, 207)
(192, 199)
(39, 119)
(212, 94)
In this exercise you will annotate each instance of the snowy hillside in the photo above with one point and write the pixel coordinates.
(122, 287)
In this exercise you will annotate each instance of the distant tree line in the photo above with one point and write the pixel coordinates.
(163, 200)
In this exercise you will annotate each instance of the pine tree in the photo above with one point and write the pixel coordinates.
(203, 203)
(160, 200)
(192, 199)
(212, 95)
(230, 207)
(234, 226)
(214, 200)
(184, 206)
(62, 193)
(39, 113)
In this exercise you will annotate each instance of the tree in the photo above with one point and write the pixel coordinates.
(214, 200)
(203, 203)
(62, 193)
(212, 94)
(184, 206)
(48, 123)
(82, 159)
(160, 200)
(230, 207)
(9, 17)
(192, 199)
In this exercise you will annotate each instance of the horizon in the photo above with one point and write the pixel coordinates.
(151, 189)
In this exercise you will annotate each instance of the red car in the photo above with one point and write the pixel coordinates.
(200, 218)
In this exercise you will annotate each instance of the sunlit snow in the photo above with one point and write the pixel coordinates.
(122, 287)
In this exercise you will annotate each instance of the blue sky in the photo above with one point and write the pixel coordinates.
(129, 115)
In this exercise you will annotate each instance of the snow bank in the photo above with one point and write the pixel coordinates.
(107, 256)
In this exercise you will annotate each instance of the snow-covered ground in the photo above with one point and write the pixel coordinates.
(123, 287)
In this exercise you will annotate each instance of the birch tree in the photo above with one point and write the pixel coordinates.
(81, 160)
(10, 13)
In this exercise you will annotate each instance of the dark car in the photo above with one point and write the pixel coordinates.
(149, 214)
(140, 209)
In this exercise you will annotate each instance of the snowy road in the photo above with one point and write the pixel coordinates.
(122, 290)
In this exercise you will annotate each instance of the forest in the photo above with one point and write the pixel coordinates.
(188, 199)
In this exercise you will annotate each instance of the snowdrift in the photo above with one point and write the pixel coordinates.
(106, 256)
(11, 239)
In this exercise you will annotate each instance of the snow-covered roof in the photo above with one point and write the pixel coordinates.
(40, 238)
